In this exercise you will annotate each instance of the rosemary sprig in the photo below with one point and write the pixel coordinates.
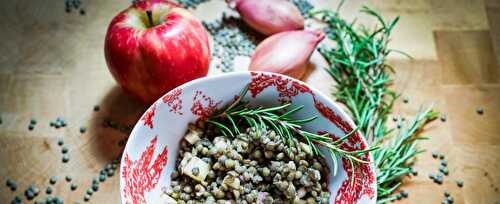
(279, 119)
(357, 63)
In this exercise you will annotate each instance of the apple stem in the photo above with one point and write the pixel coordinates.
(150, 17)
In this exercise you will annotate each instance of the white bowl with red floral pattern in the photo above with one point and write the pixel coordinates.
(152, 148)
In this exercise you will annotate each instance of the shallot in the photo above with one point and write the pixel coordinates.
(270, 16)
(286, 52)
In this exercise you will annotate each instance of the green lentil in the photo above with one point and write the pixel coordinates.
(406, 100)
(53, 180)
(95, 187)
(64, 150)
(73, 186)
(89, 191)
(404, 194)
(111, 173)
(443, 118)
(49, 190)
(435, 154)
(102, 178)
(446, 193)
(49, 199)
(65, 158)
(86, 197)
(60, 142)
(83, 129)
(479, 110)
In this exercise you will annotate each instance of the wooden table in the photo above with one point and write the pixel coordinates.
(52, 64)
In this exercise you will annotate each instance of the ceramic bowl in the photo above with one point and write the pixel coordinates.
(150, 154)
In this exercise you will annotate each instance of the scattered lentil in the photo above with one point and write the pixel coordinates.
(444, 163)
(49, 190)
(95, 187)
(83, 129)
(97, 108)
(444, 170)
(65, 158)
(460, 183)
(446, 193)
(443, 118)
(64, 150)
(406, 100)
(435, 154)
(73, 186)
(404, 194)
(86, 197)
(60, 142)
(53, 180)
(89, 191)
(479, 110)
(69, 178)
(102, 178)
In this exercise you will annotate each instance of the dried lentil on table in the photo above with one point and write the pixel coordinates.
(232, 37)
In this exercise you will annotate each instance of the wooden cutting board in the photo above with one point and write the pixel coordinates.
(52, 64)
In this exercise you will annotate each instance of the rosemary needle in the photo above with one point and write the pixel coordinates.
(230, 119)
(357, 63)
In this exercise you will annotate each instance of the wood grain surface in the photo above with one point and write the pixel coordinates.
(52, 64)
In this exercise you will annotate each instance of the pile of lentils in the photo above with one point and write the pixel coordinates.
(304, 6)
(254, 166)
(71, 5)
(232, 37)
(191, 3)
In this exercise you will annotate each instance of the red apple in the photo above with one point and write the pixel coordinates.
(154, 46)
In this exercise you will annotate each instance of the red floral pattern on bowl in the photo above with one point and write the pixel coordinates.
(151, 150)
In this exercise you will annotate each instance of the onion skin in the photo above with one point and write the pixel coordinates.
(270, 16)
(286, 52)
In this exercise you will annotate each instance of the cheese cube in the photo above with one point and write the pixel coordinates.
(193, 135)
(165, 199)
(189, 168)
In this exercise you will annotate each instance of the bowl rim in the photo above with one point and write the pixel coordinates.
(219, 77)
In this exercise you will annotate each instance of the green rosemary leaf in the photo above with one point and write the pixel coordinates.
(272, 109)
(236, 129)
(340, 140)
(290, 112)
(225, 129)
(334, 160)
(357, 63)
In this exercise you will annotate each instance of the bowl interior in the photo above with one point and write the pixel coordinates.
(152, 148)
